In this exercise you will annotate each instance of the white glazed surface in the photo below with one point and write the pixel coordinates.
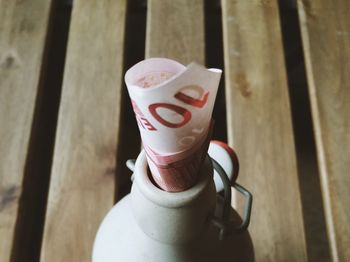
(161, 214)
(182, 227)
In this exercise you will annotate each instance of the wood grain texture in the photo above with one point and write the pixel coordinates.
(260, 128)
(23, 30)
(325, 27)
(175, 29)
(82, 179)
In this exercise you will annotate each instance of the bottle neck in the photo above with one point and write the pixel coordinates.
(172, 217)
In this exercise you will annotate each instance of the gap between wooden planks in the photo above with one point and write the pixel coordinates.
(326, 41)
(260, 127)
(23, 30)
(82, 181)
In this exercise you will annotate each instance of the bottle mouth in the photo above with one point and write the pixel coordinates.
(152, 66)
(170, 199)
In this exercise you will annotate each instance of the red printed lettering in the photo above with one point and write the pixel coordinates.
(141, 120)
(180, 110)
(191, 100)
(148, 125)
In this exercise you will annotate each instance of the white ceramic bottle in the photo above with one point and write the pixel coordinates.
(151, 225)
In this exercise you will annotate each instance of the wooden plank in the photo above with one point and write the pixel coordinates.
(260, 127)
(83, 172)
(175, 29)
(325, 27)
(23, 30)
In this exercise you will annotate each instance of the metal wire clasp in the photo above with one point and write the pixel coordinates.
(223, 222)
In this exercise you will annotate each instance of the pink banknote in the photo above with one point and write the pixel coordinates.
(173, 106)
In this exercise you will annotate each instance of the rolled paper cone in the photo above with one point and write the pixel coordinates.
(177, 172)
(173, 105)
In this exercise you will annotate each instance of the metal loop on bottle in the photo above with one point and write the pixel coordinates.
(223, 223)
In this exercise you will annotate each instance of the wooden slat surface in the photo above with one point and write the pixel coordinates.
(82, 179)
(23, 30)
(325, 27)
(82, 186)
(175, 29)
(260, 129)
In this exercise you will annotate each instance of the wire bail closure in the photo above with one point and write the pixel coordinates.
(223, 222)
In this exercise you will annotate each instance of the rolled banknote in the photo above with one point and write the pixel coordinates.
(173, 106)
